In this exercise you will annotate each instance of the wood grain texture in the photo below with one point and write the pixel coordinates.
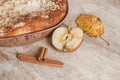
(94, 60)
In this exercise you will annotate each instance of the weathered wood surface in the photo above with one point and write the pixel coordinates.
(93, 61)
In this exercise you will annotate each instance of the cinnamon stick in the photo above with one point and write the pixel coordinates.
(45, 54)
(41, 54)
(31, 59)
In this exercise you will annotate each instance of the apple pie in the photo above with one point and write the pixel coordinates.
(19, 17)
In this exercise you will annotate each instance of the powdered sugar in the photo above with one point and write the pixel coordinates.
(11, 9)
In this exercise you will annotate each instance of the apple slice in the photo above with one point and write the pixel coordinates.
(67, 40)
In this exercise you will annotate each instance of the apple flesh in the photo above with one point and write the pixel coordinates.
(67, 40)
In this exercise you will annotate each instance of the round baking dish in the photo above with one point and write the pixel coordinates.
(30, 37)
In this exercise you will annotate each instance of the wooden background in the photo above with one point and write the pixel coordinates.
(94, 60)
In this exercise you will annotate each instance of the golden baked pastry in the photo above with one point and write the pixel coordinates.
(25, 16)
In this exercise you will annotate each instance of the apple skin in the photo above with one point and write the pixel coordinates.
(71, 49)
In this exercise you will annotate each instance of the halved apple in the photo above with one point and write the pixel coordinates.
(67, 40)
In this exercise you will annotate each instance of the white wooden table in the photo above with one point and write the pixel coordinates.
(94, 60)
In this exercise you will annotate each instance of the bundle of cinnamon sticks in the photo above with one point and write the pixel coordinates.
(41, 59)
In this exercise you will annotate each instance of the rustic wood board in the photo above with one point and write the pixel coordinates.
(94, 60)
